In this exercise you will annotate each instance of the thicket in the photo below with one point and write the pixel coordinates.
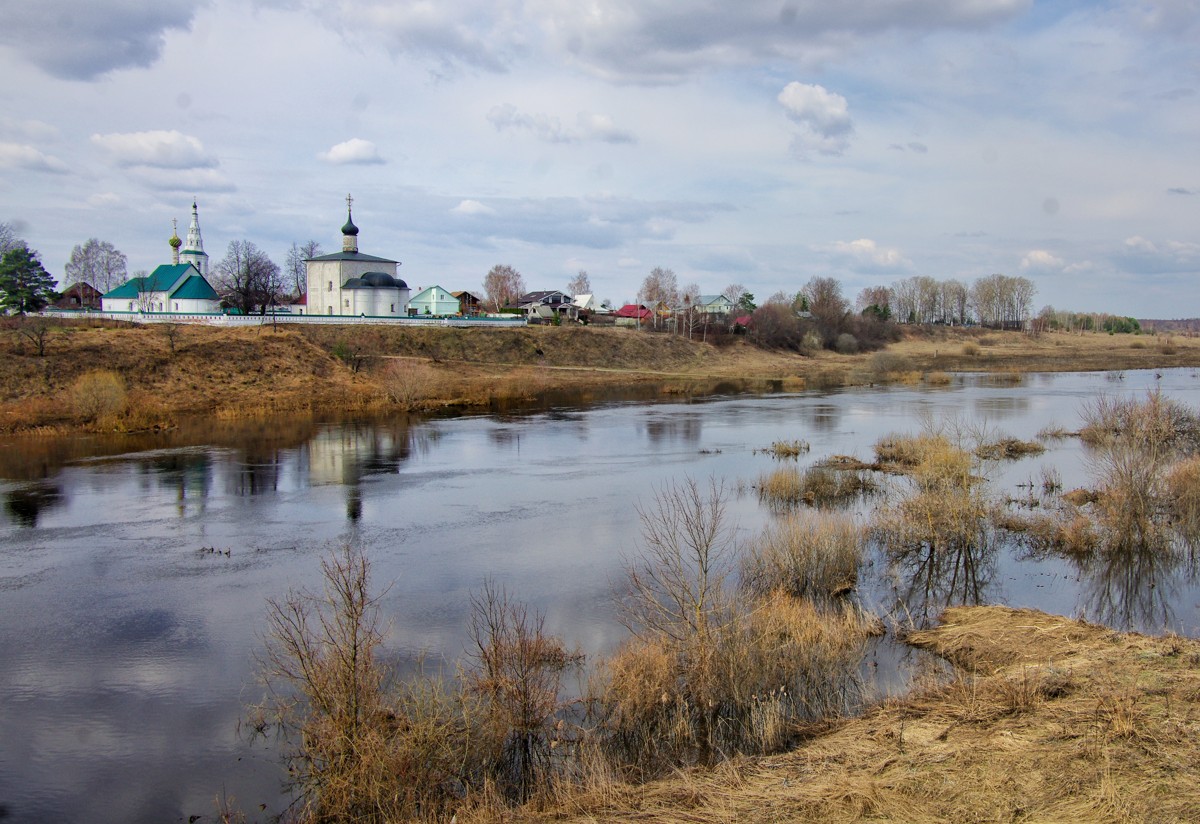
(713, 667)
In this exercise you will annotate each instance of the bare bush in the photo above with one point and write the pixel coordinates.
(516, 670)
(709, 674)
(407, 382)
(99, 396)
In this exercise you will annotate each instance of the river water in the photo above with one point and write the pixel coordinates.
(135, 573)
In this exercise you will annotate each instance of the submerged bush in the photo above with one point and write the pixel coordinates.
(710, 672)
(807, 554)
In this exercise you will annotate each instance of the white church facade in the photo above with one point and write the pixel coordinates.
(351, 282)
(180, 286)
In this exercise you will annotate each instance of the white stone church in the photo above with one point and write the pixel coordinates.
(351, 282)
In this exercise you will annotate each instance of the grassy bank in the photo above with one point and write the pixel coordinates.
(152, 376)
(1046, 719)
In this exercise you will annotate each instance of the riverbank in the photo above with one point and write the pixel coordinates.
(156, 375)
(1044, 719)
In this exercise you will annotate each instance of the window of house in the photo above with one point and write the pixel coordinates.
(392, 309)
(329, 288)
(331, 310)
(176, 306)
(347, 303)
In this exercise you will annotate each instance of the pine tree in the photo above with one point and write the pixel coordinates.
(25, 285)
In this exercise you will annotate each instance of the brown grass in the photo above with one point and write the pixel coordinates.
(814, 555)
(1046, 719)
(251, 372)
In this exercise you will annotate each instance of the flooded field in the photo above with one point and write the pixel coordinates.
(134, 574)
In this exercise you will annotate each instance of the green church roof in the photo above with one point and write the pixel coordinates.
(163, 279)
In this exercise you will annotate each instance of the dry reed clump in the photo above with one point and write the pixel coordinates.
(362, 746)
(788, 487)
(1158, 422)
(711, 672)
(814, 555)
(99, 397)
(970, 349)
(788, 449)
(782, 665)
(1183, 492)
(1008, 449)
(938, 378)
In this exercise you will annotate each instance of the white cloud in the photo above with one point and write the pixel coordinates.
(589, 127)
(1039, 260)
(823, 117)
(156, 149)
(27, 129)
(473, 207)
(864, 255)
(1141, 255)
(188, 181)
(355, 151)
(20, 156)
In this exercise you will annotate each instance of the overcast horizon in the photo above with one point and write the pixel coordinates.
(757, 143)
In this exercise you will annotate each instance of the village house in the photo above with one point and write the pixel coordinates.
(80, 295)
(434, 301)
(469, 304)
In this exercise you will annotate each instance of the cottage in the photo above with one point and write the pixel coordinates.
(433, 301)
(80, 295)
(713, 305)
(469, 304)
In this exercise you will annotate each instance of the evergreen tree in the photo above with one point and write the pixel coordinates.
(25, 285)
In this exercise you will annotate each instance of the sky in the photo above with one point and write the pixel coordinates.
(761, 143)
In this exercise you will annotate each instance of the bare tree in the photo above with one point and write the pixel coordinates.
(827, 305)
(679, 589)
(97, 262)
(660, 287)
(9, 239)
(581, 284)
(734, 292)
(247, 278)
(502, 286)
(296, 273)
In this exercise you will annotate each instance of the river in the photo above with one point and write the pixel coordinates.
(135, 573)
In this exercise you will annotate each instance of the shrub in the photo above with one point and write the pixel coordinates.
(812, 555)
(98, 396)
(970, 349)
(708, 674)
(788, 487)
(846, 344)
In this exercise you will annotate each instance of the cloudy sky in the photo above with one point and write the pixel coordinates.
(752, 142)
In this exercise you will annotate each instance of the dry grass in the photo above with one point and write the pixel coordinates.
(786, 488)
(1008, 449)
(814, 555)
(1047, 719)
(242, 372)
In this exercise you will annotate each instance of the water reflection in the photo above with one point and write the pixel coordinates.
(127, 651)
(1000, 407)
(928, 578)
(25, 504)
(682, 427)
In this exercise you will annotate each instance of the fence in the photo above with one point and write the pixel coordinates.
(220, 319)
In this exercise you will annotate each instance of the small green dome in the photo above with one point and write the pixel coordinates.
(175, 242)
(349, 228)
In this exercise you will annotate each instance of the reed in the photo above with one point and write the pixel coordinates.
(814, 555)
